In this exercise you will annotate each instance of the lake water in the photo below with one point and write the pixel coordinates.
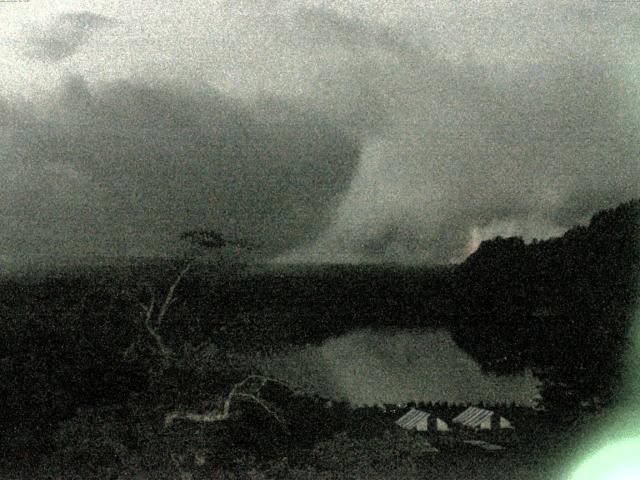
(375, 367)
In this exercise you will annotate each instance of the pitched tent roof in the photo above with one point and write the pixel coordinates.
(421, 421)
(479, 418)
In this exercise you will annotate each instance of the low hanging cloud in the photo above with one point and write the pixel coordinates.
(344, 134)
(124, 168)
(65, 34)
(468, 152)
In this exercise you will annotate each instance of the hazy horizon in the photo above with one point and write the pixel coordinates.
(256, 259)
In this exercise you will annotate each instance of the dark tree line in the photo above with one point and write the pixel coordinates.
(561, 307)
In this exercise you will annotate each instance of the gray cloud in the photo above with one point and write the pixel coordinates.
(465, 146)
(65, 35)
(123, 168)
(442, 128)
(329, 27)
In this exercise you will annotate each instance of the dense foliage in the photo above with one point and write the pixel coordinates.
(562, 307)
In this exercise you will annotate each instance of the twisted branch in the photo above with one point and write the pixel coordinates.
(220, 415)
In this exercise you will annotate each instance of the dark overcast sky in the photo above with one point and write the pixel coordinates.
(328, 131)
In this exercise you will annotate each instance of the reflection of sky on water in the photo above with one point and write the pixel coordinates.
(369, 367)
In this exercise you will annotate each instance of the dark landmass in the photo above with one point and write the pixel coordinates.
(77, 362)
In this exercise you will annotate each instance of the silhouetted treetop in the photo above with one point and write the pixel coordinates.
(213, 240)
(583, 282)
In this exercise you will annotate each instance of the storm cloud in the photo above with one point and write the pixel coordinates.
(123, 168)
(63, 36)
(469, 152)
(341, 133)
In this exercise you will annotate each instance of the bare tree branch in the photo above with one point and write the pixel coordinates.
(151, 328)
(207, 417)
(169, 297)
(147, 309)
(151, 322)
(222, 414)
(264, 405)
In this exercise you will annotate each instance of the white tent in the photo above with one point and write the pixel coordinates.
(481, 419)
(421, 421)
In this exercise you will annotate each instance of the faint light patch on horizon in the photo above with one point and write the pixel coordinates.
(530, 231)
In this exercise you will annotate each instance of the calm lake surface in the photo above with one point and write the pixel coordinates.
(392, 366)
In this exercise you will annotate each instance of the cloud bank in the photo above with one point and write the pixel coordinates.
(470, 151)
(124, 168)
(331, 132)
(63, 36)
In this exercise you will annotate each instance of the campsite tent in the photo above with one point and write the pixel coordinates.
(421, 421)
(481, 419)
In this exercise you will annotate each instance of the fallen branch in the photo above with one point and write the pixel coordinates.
(222, 414)
(264, 405)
